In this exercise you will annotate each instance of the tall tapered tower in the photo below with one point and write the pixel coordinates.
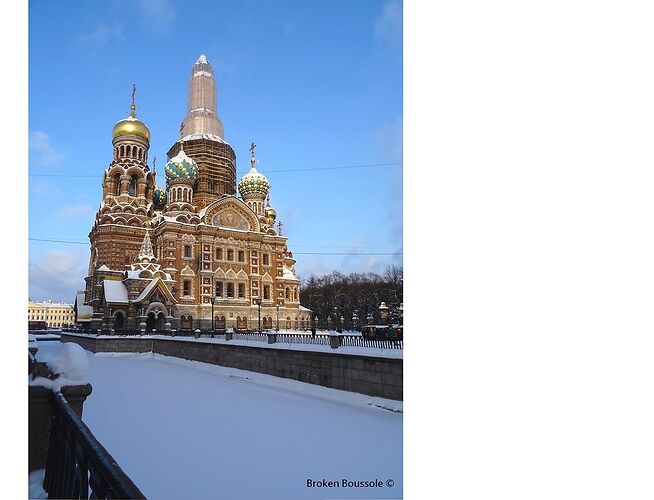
(204, 138)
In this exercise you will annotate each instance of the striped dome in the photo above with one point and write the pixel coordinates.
(181, 167)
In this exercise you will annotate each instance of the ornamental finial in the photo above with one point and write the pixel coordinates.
(181, 137)
(252, 160)
(154, 165)
(279, 227)
(133, 106)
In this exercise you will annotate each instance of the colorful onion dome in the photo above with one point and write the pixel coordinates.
(271, 215)
(159, 196)
(253, 183)
(181, 167)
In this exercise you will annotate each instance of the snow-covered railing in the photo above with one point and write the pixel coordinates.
(78, 466)
(259, 337)
(303, 339)
(357, 341)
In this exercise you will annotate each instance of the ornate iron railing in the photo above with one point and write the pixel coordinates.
(78, 466)
(357, 341)
(303, 339)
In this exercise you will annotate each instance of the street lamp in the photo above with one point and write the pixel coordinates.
(213, 325)
(259, 300)
(315, 322)
(277, 306)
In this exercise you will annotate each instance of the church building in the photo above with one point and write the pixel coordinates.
(163, 258)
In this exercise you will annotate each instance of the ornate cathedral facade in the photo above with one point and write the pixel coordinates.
(165, 258)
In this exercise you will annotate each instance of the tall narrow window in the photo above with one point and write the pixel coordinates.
(230, 290)
(241, 290)
(187, 251)
(187, 287)
(219, 254)
(241, 256)
(219, 289)
(266, 292)
(266, 259)
(230, 254)
(132, 185)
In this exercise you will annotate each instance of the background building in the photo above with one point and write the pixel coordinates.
(165, 257)
(55, 314)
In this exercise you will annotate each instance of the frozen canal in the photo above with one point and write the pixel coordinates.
(183, 429)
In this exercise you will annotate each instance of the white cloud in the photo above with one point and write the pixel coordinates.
(58, 275)
(158, 15)
(43, 153)
(102, 33)
(388, 24)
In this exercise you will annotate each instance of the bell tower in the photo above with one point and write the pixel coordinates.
(203, 136)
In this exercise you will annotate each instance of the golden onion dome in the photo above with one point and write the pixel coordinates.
(271, 214)
(131, 126)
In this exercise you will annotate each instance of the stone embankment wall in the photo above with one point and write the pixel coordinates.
(380, 377)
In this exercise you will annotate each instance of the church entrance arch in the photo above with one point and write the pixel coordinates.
(241, 323)
(150, 323)
(119, 321)
(219, 322)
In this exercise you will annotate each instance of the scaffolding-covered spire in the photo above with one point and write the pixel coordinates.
(202, 119)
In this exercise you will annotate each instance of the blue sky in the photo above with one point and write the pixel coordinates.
(313, 84)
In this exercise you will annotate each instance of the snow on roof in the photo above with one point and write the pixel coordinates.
(115, 291)
(103, 267)
(288, 274)
(211, 137)
(133, 274)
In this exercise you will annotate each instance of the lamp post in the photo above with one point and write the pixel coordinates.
(259, 304)
(277, 306)
(213, 324)
(315, 322)
(355, 320)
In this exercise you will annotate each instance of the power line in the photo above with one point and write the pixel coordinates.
(267, 171)
(52, 240)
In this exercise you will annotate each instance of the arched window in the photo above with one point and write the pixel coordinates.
(116, 180)
(140, 154)
(288, 293)
(179, 194)
(122, 151)
(132, 185)
(128, 150)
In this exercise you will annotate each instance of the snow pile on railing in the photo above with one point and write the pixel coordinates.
(70, 363)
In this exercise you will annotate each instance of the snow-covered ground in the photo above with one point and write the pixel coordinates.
(184, 429)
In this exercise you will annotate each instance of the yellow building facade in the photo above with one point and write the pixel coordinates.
(55, 314)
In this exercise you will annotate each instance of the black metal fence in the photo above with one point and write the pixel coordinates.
(356, 341)
(303, 339)
(78, 466)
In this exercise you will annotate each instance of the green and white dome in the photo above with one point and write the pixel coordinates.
(253, 182)
(182, 166)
